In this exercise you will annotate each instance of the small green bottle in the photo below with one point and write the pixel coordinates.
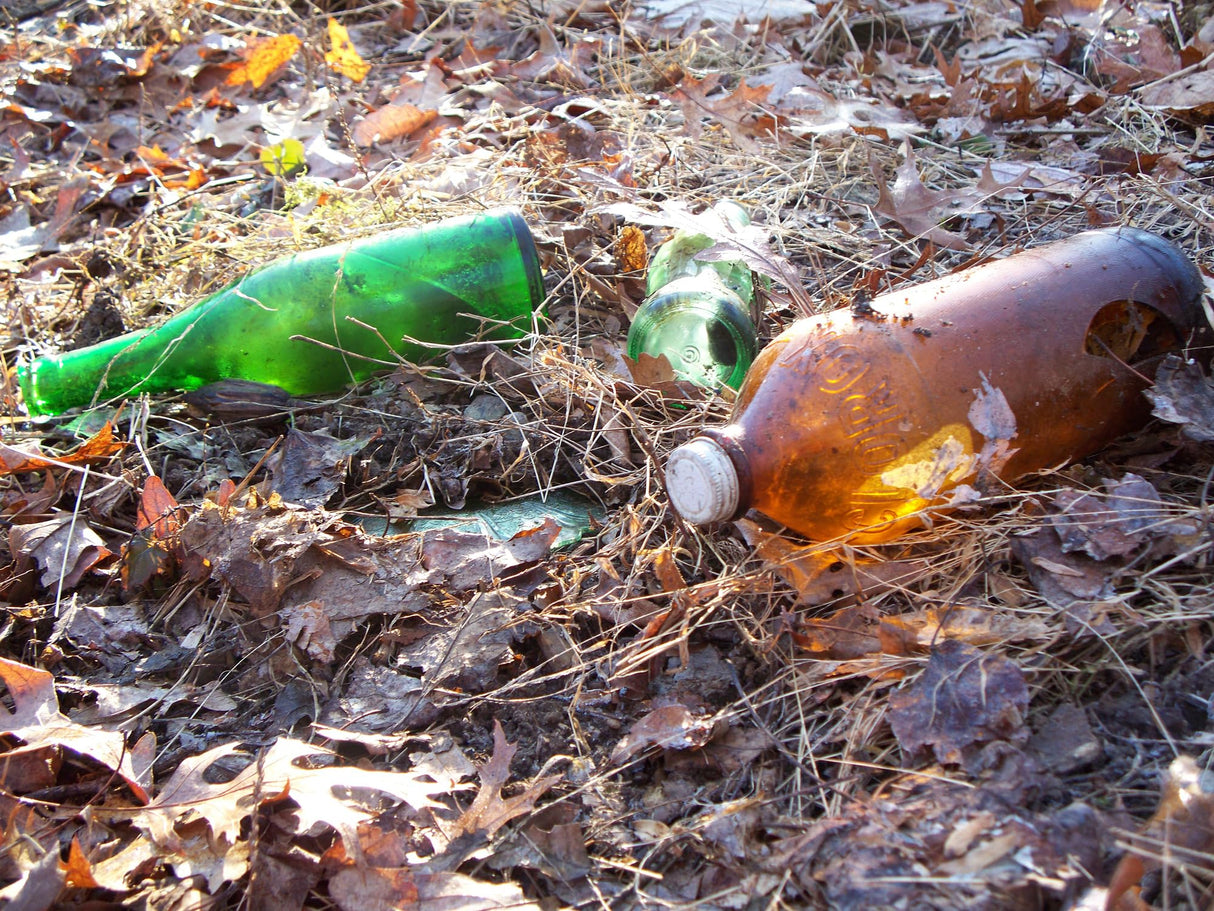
(698, 313)
(422, 289)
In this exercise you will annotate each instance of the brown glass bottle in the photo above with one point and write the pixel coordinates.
(859, 422)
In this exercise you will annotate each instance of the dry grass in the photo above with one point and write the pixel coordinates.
(650, 609)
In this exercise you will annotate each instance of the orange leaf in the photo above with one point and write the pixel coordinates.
(391, 122)
(158, 508)
(264, 58)
(630, 249)
(78, 873)
(100, 446)
(344, 59)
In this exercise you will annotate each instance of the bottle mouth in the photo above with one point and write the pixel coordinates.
(702, 483)
(528, 253)
(701, 327)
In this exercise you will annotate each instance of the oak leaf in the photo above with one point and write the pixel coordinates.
(553, 63)
(921, 211)
(490, 810)
(740, 112)
(329, 796)
(37, 723)
(363, 888)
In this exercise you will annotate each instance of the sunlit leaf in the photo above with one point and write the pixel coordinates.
(264, 59)
(344, 59)
(630, 249)
(98, 448)
(392, 121)
(284, 159)
(36, 722)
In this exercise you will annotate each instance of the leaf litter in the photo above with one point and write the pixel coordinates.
(221, 689)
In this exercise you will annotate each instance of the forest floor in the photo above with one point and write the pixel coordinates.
(241, 673)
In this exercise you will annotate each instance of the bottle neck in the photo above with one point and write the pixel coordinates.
(730, 439)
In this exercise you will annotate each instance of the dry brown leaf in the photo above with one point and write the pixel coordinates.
(750, 244)
(1184, 395)
(551, 841)
(845, 635)
(983, 855)
(309, 467)
(1127, 57)
(490, 810)
(807, 110)
(42, 729)
(1192, 93)
(977, 626)
(327, 797)
(155, 549)
(40, 885)
(670, 727)
(1115, 522)
(740, 112)
(360, 888)
(1181, 830)
(1068, 580)
(1064, 742)
(307, 627)
(390, 122)
(374, 888)
(99, 447)
(821, 575)
(964, 698)
(920, 211)
(553, 63)
(77, 872)
(65, 548)
(468, 649)
(630, 253)
(264, 550)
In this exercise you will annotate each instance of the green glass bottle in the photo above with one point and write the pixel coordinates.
(422, 289)
(697, 313)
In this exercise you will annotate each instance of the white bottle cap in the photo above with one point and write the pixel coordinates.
(701, 482)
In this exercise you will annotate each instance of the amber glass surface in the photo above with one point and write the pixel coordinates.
(859, 423)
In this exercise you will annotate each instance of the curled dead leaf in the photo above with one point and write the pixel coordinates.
(1184, 395)
(670, 727)
(390, 122)
(65, 548)
(99, 447)
(39, 725)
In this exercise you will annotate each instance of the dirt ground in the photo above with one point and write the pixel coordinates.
(242, 673)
